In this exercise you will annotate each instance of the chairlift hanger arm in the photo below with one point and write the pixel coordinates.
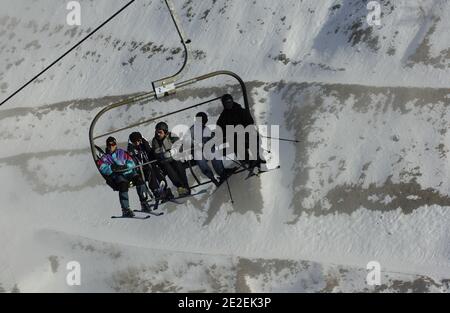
(166, 86)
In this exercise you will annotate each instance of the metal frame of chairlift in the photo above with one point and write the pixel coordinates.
(163, 88)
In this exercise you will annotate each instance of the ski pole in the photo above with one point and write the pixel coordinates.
(229, 191)
(282, 139)
(141, 170)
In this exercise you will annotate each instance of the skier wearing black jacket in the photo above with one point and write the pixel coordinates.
(142, 153)
(233, 114)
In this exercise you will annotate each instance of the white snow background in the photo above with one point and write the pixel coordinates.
(368, 180)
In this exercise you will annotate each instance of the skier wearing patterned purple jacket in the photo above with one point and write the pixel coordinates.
(118, 167)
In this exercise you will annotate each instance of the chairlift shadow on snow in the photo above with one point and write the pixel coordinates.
(246, 195)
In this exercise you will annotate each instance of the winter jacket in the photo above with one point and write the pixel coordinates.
(235, 116)
(119, 157)
(205, 137)
(143, 153)
(162, 148)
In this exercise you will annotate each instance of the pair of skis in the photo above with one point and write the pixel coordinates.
(162, 189)
(151, 212)
(147, 215)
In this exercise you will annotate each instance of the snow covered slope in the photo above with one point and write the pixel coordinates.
(368, 180)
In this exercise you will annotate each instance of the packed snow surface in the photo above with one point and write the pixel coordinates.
(367, 181)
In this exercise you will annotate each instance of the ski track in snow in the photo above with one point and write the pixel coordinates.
(368, 180)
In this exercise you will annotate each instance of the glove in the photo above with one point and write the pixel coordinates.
(118, 168)
(169, 154)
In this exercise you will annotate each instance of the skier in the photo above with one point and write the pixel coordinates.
(202, 163)
(233, 114)
(118, 166)
(141, 152)
(162, 146)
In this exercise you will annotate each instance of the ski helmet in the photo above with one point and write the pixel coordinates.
(227, 101)
(226, 97)
(135, 136)
(203, 116)
(111, 140)
(162, 126)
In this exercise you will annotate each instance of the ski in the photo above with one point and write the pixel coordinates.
(190, 195)
(131, 217)
(151, 213)
(176, 199)
(257, 172)
(158, 201)
(173, 201)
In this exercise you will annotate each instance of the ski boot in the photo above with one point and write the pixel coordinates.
(183, 192)
(127, 213)
(163, 195)
(168, 195)
(259, 164)
(145, 207)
